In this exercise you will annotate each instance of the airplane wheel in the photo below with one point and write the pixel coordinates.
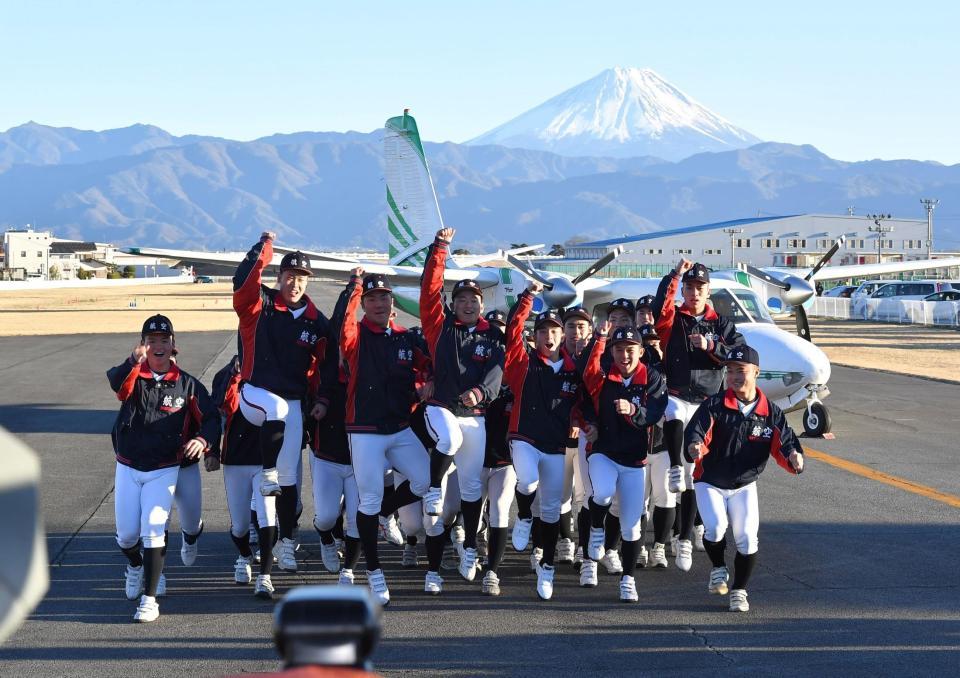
(816, 420)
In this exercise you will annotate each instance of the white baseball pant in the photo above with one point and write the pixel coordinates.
(332, 483)
(466, 439)
(142, 501)
(658, 480)
(739, 508)
(541, 473)
(188, 498)
(242, 483)
(259, 405)
(678, 408)
(499, 485)
(628, 482)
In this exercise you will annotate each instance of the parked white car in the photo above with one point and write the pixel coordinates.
(886, 303)
(946, 307)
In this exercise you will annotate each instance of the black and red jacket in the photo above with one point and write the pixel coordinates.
(497, 424)
(157, 418)
(693, 374)
(241, 439)
(625, 439)
(278, 352)
(328, 439)
(463, 357)
(738, 446)
(543, 399)
(381, 367)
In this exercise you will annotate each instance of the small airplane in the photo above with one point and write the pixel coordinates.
(794, 371)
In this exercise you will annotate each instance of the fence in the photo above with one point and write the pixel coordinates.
(941, 313)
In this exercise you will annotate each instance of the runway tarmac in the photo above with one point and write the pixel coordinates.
(854, 574)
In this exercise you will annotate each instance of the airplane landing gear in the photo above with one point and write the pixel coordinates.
(816, 419)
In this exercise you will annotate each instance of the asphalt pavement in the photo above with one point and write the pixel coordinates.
(853, 576)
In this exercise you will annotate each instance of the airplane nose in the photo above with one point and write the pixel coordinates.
(816, 368)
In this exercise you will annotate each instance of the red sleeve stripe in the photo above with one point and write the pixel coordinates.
(126, 389)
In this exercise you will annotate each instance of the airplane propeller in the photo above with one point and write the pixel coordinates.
(559, 292)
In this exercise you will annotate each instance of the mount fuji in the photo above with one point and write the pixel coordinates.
(622, 112)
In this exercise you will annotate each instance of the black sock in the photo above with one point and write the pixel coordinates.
(566, 525)
(715, 551)
(550, 533)
(496, 544)
(268, 537)
(192, 538)
(629, 550)
(611, 532)
(367, 526)
(435, 547)
(525, 504)
(338, 526)
(742, 569)
(536, 534)
(676, 515)
(388, 488)
(152, 569)
(643, 527)
(400, 497)
(287, 510)
(471, 521)
(439, 463)
(688, 512)
(166, 540)
(698, 521)
(598, 514)
(351, 552)
(243, 544)
(271, 440)
(133, 555)
(412, 540)
(326, 537)
(673, 437)
(583, 527)
(663, 524)
(254, 520)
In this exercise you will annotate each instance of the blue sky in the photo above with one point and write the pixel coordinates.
(857, 83)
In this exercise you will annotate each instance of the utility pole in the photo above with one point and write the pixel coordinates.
(880, 230)
(930, 204)
(733, 233)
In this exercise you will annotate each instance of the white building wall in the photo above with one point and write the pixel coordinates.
(29, 250)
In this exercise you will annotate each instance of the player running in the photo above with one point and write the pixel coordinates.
(730, 438)
(165, 416)
(283, 338)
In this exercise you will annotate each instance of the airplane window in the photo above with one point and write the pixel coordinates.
(754, 307)
(728, 306)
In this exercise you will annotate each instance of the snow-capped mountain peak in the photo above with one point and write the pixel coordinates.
(621, 112)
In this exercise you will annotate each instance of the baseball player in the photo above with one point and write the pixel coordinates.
(499, 485)
(467, 356)
(730, 438)
(381, 362)
(696, 341)
(165, 416)
(628, 401)
(546, 384)
(242, 471)
(282, 340)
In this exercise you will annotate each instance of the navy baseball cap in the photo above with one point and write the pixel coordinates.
(622, 304)
(157, 324)
(648, 333)
(496, 317)
(375, 282)
(295, 261)
(466, 286)
(646, 301)
(550, 317)
(578, 312)
(625, 335)
(699, 273)
(744, 354)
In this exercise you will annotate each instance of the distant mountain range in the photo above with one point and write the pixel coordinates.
(622, 112)
(141, 185)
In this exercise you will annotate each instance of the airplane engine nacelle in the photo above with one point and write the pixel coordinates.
(800, 290)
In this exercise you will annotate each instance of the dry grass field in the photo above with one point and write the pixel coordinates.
(910, 349)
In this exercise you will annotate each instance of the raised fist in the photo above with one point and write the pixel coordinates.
(535, 287)
(269, 235)
(356, 272)
(139, 353)
(684, 266)
(446, 234)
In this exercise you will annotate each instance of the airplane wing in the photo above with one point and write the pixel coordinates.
(498, 258)
(868, 270)
(225, 263)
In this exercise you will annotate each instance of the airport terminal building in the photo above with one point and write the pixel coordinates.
(796, 240)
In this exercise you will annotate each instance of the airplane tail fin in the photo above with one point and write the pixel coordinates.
(413, 213)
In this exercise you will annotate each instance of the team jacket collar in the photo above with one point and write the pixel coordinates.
(639, 375)
(310, 313)
(708, 312)
(761, 410)
(172, 375)
(568, 362)
(376, 329)
(481, 326)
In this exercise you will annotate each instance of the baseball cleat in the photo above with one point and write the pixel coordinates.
(242, 574)
(521, 533)
(330, 557)
(286, 555)
(675, 481)
(588, 574)
(433, 584)
(162, 585)
(491, 584)
(188, 552)
(390, 531)
(148, 610)
(566, 551)
(628, 589)
(468, 562)
(345, 578)
(409, 558)
(133, 582)
(545, 581)
(270, 483)
(658, 556)
(684, 558)
(595, 545)
(611, 562)
(378, 586)
(738, 601)
(698, 538)
(263, 588)
(718, 581)
(433, 501)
